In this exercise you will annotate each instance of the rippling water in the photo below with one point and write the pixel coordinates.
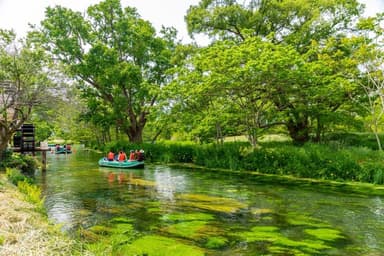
(211, 213)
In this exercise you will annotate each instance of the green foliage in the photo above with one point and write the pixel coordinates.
(25, 67)
(26, 163)
(32, 194)
(15, 176)
(5, 157)
(366, 140)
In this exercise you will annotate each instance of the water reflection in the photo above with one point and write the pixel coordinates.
(167, 184)
(230, 213)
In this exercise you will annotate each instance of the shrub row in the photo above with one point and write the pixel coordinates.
(320, 161)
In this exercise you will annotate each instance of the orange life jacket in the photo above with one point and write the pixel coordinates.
(132, 156)
(122, 157)
(111, 156)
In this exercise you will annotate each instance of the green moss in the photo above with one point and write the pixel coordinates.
(141, 182)
(325, 234)
(123, 228)
(212, 203)
(276, 241)
(113, 237)
(302, 220)
(216, 242)
(2, 239)
(261, 211)
(153, 210)
(187, 217)
(101, 230)
(159, 246)
(261, 233)
(121, 220)
(187, 229)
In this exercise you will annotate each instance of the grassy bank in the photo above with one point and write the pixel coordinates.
(24, 226)
(342, 158)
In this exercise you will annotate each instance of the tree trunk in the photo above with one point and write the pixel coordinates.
(136, 127)
(319, 130)
(299, 130)
(4, 139)
(219, 134)
(135, 135)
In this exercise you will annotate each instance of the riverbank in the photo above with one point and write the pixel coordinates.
(25, 231)
(362, 188)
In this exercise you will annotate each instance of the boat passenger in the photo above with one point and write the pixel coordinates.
(122, 156)
(140, 155)
(110, 156)
(132, 156)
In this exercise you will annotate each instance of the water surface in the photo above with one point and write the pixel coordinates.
(200, 212)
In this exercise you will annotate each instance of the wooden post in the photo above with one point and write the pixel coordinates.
(44, 160)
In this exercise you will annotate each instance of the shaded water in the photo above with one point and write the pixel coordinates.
(194, 212)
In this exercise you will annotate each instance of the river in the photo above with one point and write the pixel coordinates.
(161, 210)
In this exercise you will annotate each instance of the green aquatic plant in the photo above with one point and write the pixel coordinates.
(216, 242)
(187, 217)
(155, 245)
(103, 240)
(261, 233)
(187, 229)
(325, 234)
(211, 203)
(100, 230)
(141, 182)
(261, 211)
(312, 241)
(302, 220)
(121, 220)
(189, 225)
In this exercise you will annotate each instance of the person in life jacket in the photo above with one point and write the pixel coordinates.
(110, 156)
(132, 155)
(140, 155)
(122, 156)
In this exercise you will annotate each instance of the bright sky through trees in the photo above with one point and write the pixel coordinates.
(16, 14)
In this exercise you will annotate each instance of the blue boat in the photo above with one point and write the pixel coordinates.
(104, 162)
(63, 151)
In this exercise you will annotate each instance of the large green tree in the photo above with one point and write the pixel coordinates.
(24, 82)
(117, 57)
(292, 54)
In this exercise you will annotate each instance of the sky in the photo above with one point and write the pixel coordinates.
(16, 14)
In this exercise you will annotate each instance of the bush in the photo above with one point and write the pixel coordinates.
(32, 193)
(26, 163)
(332, 161)
(15, 176)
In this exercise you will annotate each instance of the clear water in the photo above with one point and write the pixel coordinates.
(247, 215)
